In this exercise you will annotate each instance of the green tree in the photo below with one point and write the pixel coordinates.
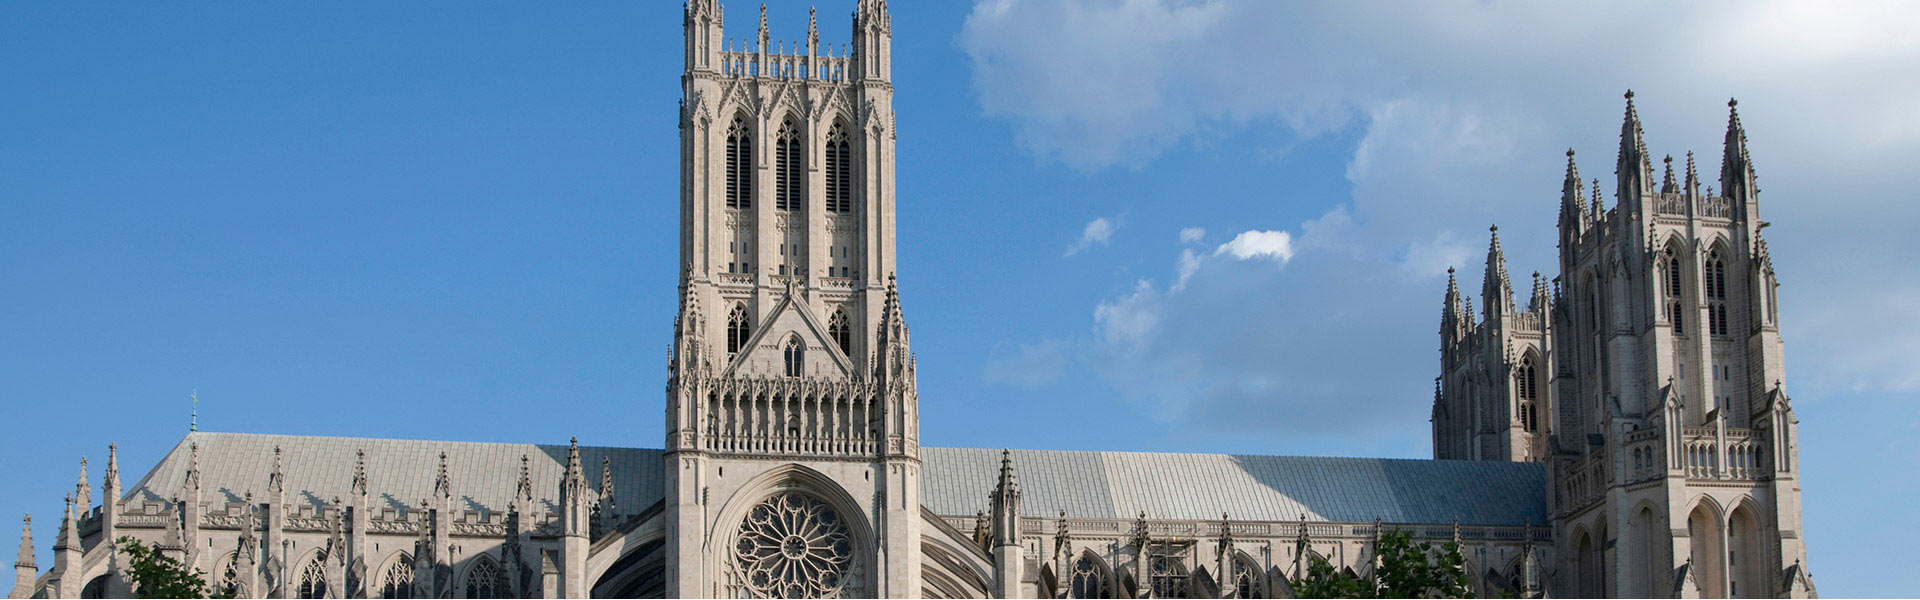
(156, 575)
(1405, 570)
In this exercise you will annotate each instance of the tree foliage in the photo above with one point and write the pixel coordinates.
(1405, 569)
(156, 575)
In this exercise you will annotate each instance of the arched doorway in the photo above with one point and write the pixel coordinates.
(1708, 552)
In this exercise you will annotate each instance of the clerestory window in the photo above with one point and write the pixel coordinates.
(738, 328)
(841, 333)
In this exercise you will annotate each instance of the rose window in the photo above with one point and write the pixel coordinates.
(793, 546)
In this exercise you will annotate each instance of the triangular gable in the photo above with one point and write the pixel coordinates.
(790, 315)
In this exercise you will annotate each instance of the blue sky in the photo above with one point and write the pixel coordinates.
(1129, 224)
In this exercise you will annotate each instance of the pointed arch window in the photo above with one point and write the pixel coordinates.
(486, 580)
(739, 164)
(397, 582)
(1673, 274)
(796, 354)
(1167, 575)
(1716, 273)
(1088, 580)
(842, 334)
(228, 584)
(313, 578)
(738, 328)
(1528, 386)
(1679, 320)
(1247, 579)
(839, 165)
(790, 191)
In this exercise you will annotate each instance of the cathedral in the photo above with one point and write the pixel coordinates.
(1625, 434)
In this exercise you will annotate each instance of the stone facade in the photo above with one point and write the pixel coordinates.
(792, 465)
(1648, 378)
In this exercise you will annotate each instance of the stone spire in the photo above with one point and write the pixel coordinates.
(523, 493)
(1497, 289)
(1454, 311)
(1573, 199)
(813, 31)
(443, 483)
(895, 355)
(110, 478)
(276, 481)
(763, 28)
(1634, 167)
(1736, 167)
(1540, 299)
(25, 558)
(1667, 183)
(689, 331)
(83, 491)
(359, 485)
(606, 505)
(25, 571)
(1006, 503)
(1599, 207)
(1693, 177)
(191, 486)
(69, 530)
(574, 525)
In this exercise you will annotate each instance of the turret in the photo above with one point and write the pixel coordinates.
(605, 507)
(704, 35)
(575, 510)
(1573, 203)
(24, 569)
(873, 41)
(1737, 180)
(1451, 313)
(1496, 289)
(1693, 178)
(1007, 551)
(1634, 167)
(895, 357)
(82, 491)
(66, 576)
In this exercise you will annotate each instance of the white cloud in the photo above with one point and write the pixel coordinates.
(1027, 365)
(1192, 235)
(1272, 245)
(1463, 110)
(1098, 232)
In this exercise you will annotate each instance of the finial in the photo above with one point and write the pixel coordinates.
(1629, 95)
(194, 424)
(1733, 102)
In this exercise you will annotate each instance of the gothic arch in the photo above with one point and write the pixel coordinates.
(638, 573)
(1644, 551)
(1243, 570)
(1706, 551)
(944, 575)
(803, 480)
(1747, 551)
(1090, 577)
(225, 577)
(394, 578)
(309, 576)
(1588, 561)
(485, 578)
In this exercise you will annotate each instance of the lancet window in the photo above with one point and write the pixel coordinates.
(1168, 575)
(790, 191)
(1527, 384)
(1716, 272)
(739, 164)
(738, 328)
(839, 170)
(841, 333)
(397, 582)
(796, 355)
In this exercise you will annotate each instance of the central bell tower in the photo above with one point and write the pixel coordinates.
(791, 385)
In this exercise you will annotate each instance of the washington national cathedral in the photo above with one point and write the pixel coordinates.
(1625, 433)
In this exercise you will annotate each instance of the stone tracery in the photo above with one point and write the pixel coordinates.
(792, 546)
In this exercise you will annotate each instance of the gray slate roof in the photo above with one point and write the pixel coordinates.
(1110, 485)
(955, 481)
(400, 472)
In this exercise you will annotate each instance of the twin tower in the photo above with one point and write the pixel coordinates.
(1647, 376)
